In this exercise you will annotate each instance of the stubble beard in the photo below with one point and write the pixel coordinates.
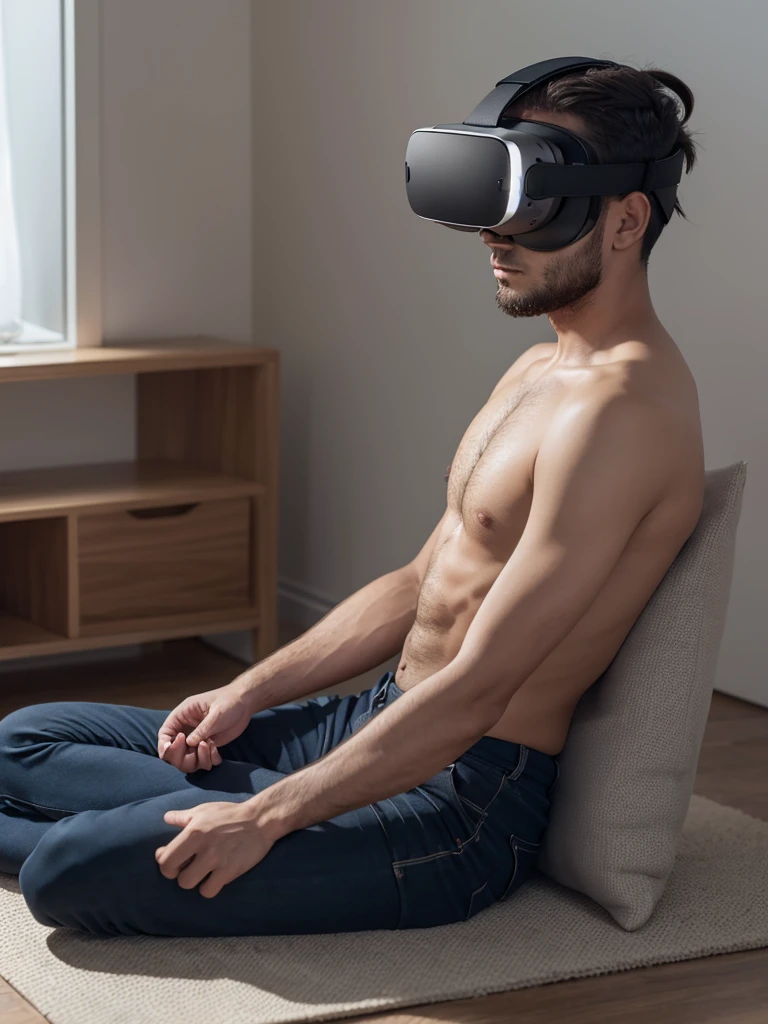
(567, 281)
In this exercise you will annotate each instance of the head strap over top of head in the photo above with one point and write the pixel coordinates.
(489, 110)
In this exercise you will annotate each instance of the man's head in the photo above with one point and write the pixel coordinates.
(628, 116)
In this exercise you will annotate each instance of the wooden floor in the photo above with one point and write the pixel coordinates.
(733, 769)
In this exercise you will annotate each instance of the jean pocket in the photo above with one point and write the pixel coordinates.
(472, 795)
(524, 857)
(447, 887)
(471, 813)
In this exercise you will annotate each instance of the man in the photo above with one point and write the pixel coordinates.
(424, 799)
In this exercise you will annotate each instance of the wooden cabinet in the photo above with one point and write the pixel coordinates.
(180, 541)
(164, 561)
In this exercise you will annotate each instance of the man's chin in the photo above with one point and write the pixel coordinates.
(508, 301)
(521, 312)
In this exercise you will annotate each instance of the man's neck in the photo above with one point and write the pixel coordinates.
(615, 312)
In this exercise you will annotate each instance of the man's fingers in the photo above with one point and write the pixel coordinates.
(196, 870)
(175, 751)
(216, 881)
(189, 758)
(176, 854)
(167, 735)
(199, 733)
(204, 755)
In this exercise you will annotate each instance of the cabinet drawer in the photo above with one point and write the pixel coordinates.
(164, 561)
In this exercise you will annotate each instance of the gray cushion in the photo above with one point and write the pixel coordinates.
(628, 767)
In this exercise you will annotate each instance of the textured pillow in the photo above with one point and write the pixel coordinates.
(628, 767)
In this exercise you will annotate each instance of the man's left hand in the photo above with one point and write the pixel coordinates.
(220, 839)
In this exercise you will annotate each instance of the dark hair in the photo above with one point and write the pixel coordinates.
(629, 116)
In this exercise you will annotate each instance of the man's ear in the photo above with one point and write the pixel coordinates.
(630, 216)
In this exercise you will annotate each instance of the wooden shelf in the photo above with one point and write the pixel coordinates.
(22, 639)
(18, 633)
(180, 541)
(145, 356)
(246, 618)
(111, 486)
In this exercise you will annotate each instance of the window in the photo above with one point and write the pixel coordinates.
(48, 238)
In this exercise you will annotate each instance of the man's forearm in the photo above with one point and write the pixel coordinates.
(356, 635)
(405, 744)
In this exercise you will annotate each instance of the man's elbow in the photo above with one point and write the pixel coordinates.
(483, 694)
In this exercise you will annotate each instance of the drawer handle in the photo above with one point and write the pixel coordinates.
(164, 510)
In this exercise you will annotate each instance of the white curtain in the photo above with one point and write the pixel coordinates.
(10, 261)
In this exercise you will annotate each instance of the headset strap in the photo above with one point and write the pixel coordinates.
(489, 110)
(545, 181)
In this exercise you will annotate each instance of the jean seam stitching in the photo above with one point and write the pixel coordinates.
(38, 807)
(453, 853)
(521, 763)
(471, 803)
(512, 840)
(472, 899)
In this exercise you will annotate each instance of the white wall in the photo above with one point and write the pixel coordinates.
(176, 218)
(176, 185)
(389, 333)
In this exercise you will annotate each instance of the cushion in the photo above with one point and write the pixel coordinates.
(628, 767)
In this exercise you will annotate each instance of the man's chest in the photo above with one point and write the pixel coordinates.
(490, 480)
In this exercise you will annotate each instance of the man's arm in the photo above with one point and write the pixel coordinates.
(356, 635)
(600, 469)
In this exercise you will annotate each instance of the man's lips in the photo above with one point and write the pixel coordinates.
(509, 270)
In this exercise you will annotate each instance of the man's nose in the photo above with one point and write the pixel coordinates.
(492, 239)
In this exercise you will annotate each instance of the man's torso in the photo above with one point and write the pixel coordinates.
(489, 496)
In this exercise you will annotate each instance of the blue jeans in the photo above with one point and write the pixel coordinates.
(83, 794)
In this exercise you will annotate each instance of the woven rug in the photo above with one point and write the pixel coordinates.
(716, 901)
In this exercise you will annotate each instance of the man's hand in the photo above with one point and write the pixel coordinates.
(216, 717)
(220, 839)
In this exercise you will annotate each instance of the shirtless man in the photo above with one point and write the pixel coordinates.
(424, 799)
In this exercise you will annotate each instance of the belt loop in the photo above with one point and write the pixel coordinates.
(522, 758)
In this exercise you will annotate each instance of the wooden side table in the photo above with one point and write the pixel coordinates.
(180, 542)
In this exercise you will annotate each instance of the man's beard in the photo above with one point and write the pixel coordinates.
(566, 281)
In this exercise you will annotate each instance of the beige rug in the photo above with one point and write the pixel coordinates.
(716, 901)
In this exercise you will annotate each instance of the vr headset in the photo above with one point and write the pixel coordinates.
(536, 183)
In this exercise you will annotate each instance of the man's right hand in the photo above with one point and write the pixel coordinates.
(191, 734)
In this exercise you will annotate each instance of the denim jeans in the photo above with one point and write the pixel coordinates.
(83, 794)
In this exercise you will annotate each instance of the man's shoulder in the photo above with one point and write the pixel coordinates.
(608, 428)
(541, 350)
(611, 396)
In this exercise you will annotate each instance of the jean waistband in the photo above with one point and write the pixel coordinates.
(512, 758)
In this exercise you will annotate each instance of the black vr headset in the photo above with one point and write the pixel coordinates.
(534, 182)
